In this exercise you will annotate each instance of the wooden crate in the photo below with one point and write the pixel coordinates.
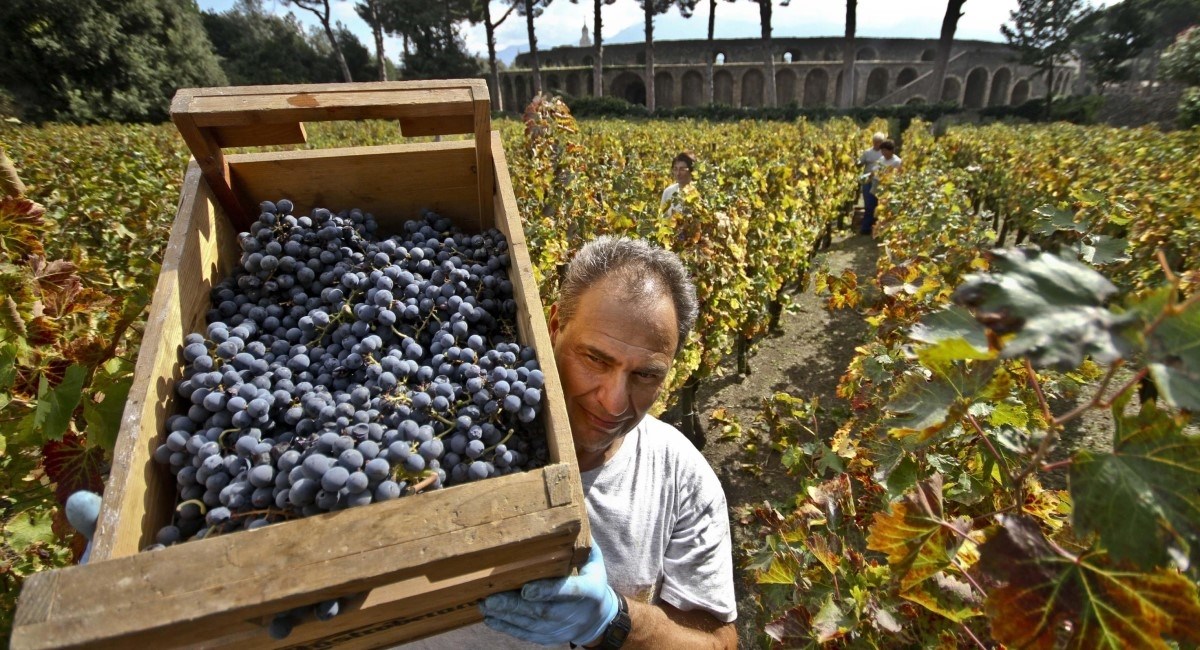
(410, 567)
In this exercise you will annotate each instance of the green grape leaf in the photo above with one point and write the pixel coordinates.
(922, 408)
(1102, 249)
(1143, 498)
(1051, 220)
(29, 528)
(830, 622)
(946, 596)
(1052, 306)
(917, 539)
(954, 333)
(1173, 348)
(900, 479)
(103, 417)
(55, 406)
(1045, 598)
(790, 629)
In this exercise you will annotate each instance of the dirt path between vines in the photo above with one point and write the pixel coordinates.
(805, 358)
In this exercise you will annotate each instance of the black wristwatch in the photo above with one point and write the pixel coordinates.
(617, 631)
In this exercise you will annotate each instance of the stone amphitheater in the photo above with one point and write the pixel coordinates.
(808, 72)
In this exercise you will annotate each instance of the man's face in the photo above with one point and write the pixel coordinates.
(887, 153)
(681, 173)
(613, 357)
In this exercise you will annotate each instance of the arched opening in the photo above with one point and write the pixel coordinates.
(877, 85)
(906, 76)
(573, 85)
(752, 88)
(976, 90)
(630, 87)
(816, 87)
(664, 90)
(588, 60)
(506, 85)
(951, 90)
(723, 87)
(785, 87)
(1000, 81)
(928, 54)
(915, 99)
(1020, 93)
(719, 59)
(837, 91)
(589, 80)
(693, 88)
(866, 54)
(522, 96)
(553, 84)
(787, 57)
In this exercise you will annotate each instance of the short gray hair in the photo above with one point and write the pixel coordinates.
(629, 262)
(879, 136)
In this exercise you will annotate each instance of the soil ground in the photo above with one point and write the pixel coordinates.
(804, 357)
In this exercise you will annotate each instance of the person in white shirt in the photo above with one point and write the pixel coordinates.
(681, 171)
(869, 161)
(889, 160)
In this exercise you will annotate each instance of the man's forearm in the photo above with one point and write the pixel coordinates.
(664, 626)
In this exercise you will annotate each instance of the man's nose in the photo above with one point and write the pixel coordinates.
(613, 394)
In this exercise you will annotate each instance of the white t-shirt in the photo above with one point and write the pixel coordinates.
(659, 515)
(870, 160)
(883, 164)
(669, 193)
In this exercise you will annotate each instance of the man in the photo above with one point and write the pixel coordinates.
(681, 171)
(661, 570)
(869, 161)
(888, 160)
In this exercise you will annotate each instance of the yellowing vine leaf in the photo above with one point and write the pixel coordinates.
(917, 539)
(1046, 598)
(21, 228)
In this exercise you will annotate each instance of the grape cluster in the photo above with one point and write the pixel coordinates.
(339, 368)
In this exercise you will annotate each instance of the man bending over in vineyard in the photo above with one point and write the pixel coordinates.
(661, 570)
(869, 161)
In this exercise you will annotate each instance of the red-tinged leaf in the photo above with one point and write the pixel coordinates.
(11, 318)
(917, 539)
(790, 629)
(43, 332)
(21, 228)
(1047, 598)
(73, 466)
(57, 283)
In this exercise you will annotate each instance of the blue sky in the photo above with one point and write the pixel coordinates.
(563, 20)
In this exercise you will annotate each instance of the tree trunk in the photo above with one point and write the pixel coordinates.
(712, 52)
(764, 14)
(533, 54)
(377, 32)
(649, 54)
(945, 43)
(337, 52)
(598, 63)
(846, 99)
(493, 74)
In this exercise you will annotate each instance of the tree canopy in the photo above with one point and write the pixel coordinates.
(102, 60)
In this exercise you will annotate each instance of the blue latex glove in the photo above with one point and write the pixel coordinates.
(575, 609)
(83, 510)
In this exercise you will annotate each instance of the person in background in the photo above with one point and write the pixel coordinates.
(889, 161)
(869, 161)
(681, 171)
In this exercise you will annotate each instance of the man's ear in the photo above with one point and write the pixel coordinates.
(554, 323)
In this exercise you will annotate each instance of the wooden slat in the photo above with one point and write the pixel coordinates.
(532, 326)
(260, 135)
(304, 106)
(208, 155)
(435, 175)
(200, 252)
(483, 157)
(183, 590)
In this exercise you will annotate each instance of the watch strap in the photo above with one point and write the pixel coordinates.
(618, 630)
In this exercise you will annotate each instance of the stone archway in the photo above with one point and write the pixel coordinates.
(752, 88)
(506, 84)
(1000, 82)
(522, 95)
(906, 76)
(816, 88)
(630, 87)
(785, 87)
(1020, 92)
(723, 87)
(553, 84)
(877, 85)
(915, 99)
(664, 90)
(952, 90)
(573, 85)
(977, 86)
(693, 88)
(928, 55)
